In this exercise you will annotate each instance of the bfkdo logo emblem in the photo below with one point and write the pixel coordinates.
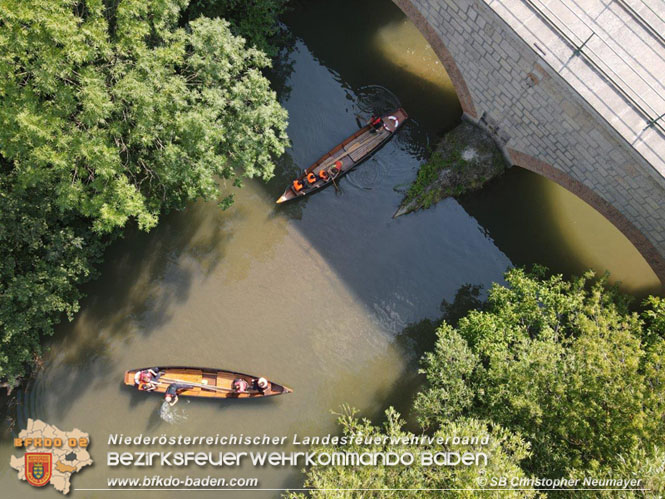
(38, 466)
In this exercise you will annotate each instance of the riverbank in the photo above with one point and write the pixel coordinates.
(464, 160)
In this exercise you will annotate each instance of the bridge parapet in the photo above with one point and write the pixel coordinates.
(611, 55)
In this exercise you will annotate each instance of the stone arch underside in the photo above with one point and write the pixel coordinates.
(654, 258)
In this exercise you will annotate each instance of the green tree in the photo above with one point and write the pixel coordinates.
(113, 111)
(125, 113)
(564, 368)
(44, 255)
(505, 451)
(255, 20)
(564, 364)
(646, 463)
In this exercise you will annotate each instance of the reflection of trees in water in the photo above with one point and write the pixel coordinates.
(418, 338)
(285, 171)
(16, 410)
(282, 65)
(132, 299)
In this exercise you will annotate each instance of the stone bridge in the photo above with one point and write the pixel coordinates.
(572, 90)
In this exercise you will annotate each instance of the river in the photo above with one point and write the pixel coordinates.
(315, 294)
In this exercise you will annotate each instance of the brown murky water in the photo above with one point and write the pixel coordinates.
(314, 294)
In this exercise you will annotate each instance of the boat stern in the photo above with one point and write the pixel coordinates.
(129, 377)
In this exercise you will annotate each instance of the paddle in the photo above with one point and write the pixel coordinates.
(335, 184)
(201, 385)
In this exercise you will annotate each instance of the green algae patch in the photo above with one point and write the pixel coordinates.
(465, 160)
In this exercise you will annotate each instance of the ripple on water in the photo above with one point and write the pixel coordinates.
(375, 99)
(172, 414)
(412, 138)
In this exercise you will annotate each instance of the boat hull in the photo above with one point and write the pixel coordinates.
(206, 383)
(345, 157)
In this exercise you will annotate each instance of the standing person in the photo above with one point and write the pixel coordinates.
(376, 122)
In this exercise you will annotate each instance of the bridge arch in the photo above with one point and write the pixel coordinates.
(559, 143)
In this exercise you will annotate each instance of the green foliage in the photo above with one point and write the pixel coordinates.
(563, 367)
(427, 175)
(124, 112)
(44, 255)
(448, 369)
(562, 363)
(113, 111)
(654, 316)
(646, 463)
(255, 20)
(505, 451)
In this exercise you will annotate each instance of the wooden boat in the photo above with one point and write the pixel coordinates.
(344, 157)
(205, 383)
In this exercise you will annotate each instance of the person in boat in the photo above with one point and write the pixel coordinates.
(262, 384)
(240, 385)
(376, 122)
(147, 379)
(336, 168)
(173, 390)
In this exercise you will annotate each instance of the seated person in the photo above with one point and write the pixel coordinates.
(240, 385)
(262, 384)
(147, 379)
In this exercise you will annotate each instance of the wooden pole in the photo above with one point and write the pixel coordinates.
(354, 147)
(200, 385)
(335, 183)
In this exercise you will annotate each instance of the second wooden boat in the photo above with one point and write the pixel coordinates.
(344, 157)
(202, 382)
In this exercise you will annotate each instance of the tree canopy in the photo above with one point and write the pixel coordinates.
(126, 113)
(255, 20)
(113, 111)
(573, 379)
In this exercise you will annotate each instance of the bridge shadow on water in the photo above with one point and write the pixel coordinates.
(427, 256)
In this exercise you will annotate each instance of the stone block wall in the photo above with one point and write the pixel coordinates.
(542, 122)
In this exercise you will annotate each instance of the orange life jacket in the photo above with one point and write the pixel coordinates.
(297, 185)
(311, 178)
(324, 175)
